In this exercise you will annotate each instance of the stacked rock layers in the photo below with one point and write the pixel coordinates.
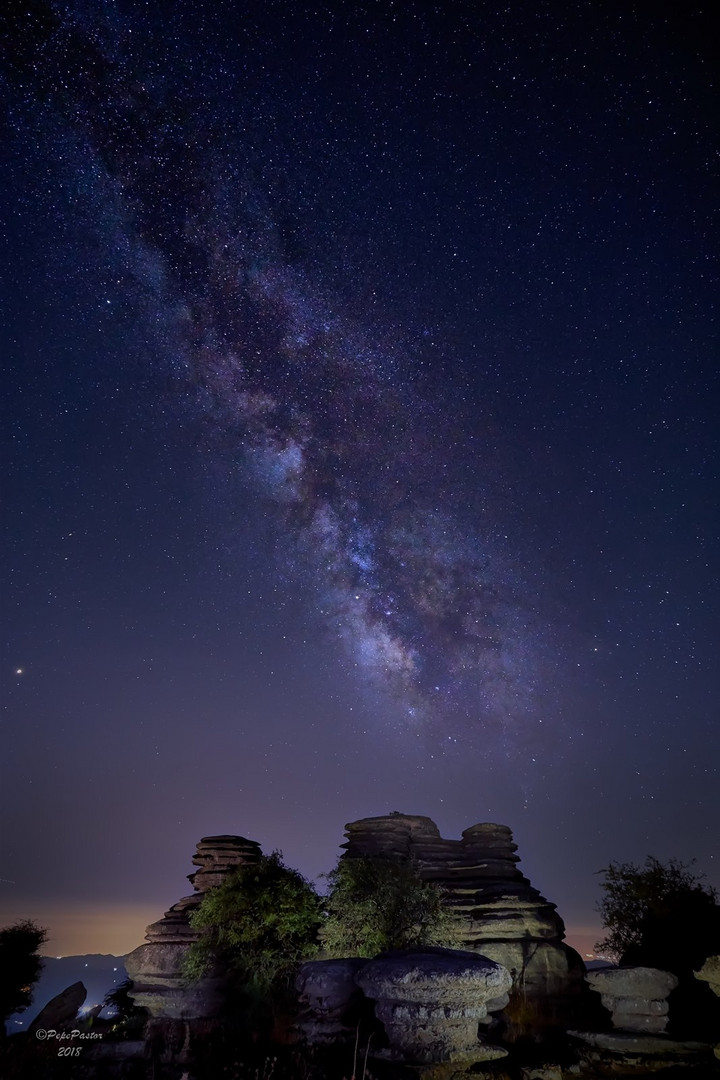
(496, 911)
(156, 967)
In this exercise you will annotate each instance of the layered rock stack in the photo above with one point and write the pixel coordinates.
(156, 967)
(496, 911)
(638, 1045)
(636, 997)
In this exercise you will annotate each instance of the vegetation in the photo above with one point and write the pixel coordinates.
(20, 966)
(128, 1019)
(646, 908)
(260, 924)
(376, 904)
(660, 915)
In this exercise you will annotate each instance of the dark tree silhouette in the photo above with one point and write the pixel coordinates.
(662, 916)
(20, 966)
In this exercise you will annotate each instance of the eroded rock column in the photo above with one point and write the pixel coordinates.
(430, 1003)
(636, 997)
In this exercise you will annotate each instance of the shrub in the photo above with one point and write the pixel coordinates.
(645, 909)
(376, 904)
(260, 923)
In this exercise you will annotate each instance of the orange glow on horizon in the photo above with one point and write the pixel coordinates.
(79, 929)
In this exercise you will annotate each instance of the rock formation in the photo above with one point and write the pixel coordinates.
(635, 996)
(637, 1045)
(60, 1013)
(431, 1002)
(330, 1001)
(496, 911)
(156, 967)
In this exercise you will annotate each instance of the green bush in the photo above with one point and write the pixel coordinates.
(259, 924)
(376, 904)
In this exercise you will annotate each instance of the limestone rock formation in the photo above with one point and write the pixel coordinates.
(627, 1053)
(156, 967)
(329, 999)
(635, 996)
(431, 1001)
(496, 911)
(61, 1011)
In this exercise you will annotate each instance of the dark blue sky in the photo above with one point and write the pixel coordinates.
(359, 439)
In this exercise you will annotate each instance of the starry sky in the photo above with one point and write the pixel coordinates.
(359, 440)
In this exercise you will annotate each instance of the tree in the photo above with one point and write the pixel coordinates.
(381, 903)
(662, 916)
(645, 908)
(20, 965)
(260, 924)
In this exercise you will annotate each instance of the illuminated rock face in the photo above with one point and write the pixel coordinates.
(496, 911)
(156, 967)
(430, 1003)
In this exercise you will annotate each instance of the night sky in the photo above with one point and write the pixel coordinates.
(359, 437)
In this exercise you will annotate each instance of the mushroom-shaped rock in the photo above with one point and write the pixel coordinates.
(431, 1001)
(635, 996)
(329, 996)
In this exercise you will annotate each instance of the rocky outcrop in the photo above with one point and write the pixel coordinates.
(638, 1045)
(635, 996)
(431, 1001)
(61, 1011)
(330, 1001)
(625, 1054)
(156, 967)
(495, 910)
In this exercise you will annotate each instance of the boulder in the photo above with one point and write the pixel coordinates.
(635, 996)
(329, 999)
(430, 1002)
(60, 1013)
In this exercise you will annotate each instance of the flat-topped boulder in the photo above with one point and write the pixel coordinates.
(430, 1002)
(495, 911)
(635, 996)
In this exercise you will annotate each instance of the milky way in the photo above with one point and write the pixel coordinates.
(323, 411)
